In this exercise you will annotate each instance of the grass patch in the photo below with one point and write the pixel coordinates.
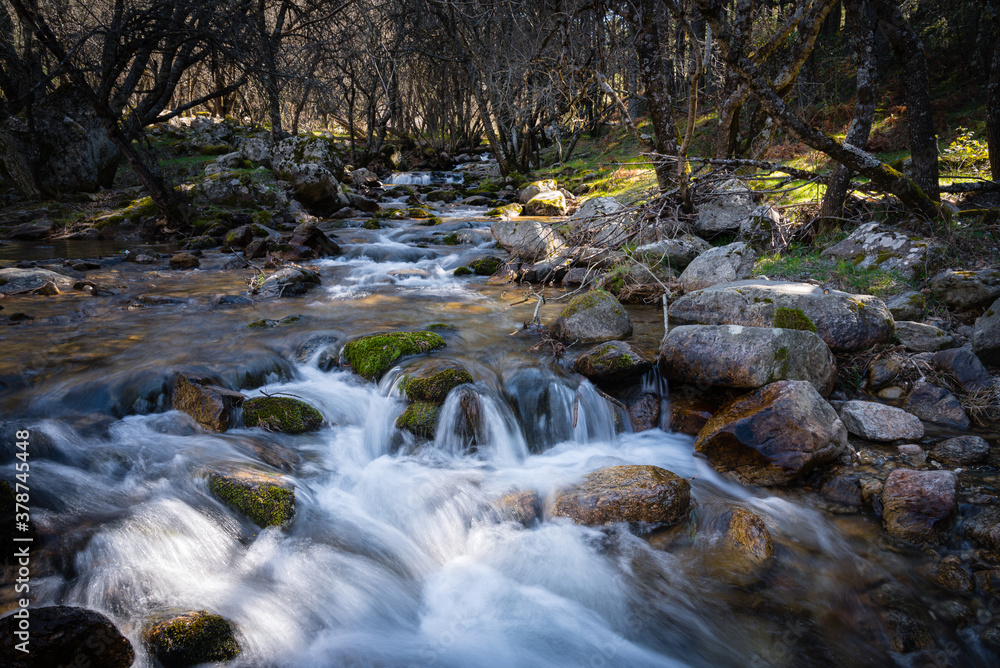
(805, 263)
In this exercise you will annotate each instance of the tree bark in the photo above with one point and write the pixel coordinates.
(993, 92)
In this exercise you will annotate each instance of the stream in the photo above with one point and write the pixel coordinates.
(396, 555)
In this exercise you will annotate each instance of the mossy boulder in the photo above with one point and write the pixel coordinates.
(615, 361)
(486, 266)
(264, 498)
(420, 418)
(435, 387)
(793, 318)
(593, 317)
(463, 271)
(506, 211)
(211, 406)
(546, 204)
(192, 638)
(630, 493)
(281, 414)
(371, 356)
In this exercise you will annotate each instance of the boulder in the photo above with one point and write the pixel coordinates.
(935, 404)
(723, 264)
(434, 386)
(615, 361)
(984, 528)
(627, 493)
(961, 451)
(593, 317)
(725, 213)
(61, 635)
(256, 149)
(676, 253)
(744, 549)
(985, 337)
(596, 222)
(184, 261)
(524, 507)
(211, 406)
(644, 411)
(485, 266)
(551, 203)
(746, 357)
(371, 356)
(364, 178)
(907, 306)
(285, 415)
(507, 211)
(527, 240)
(919, 506)
(311, 165)
(15, 281)
(420, 418)
(203, 131)
(362, 203)
(870, 246)
(966, 289)
(921, 338)
(291, 281)
(846, 322)
(235, 189)
(773, 435)
(688, 415)
(192, 638)
(535, 188)
(878, 422)
(264, 498)
(310, 236)
(764, 228)
(964, 366)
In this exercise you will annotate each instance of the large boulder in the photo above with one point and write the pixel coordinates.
(746, 357)
(878, 422)
(965, 367)
(986, 336)
(527, 240)
(371, 356)
(597, 224)
(62, 635)
(612, 362)
(536, 188)
(256, 149)
(593, 317)
(211, 406)
(228, 188)
(845, 321)
(15, 281)
(725, 212)
(922, 338)
(629, 493)
(266, 499)
(552, 203)
(871, 247)
(966, 289)
(311, 165)
(919, 506)
(773, 435)
(191, 638)
(723, 264)
(676, 253)
(936, 404)
(434, 386)
(310, 236)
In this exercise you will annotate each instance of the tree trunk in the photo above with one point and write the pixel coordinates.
(993, 94)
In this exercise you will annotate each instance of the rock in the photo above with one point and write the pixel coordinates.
(725, 213)
(142, 258)
(919, 506)
(532, 190)
(744, 549)
(891, 393)
(184, 261)
(763, 228)
(62, 635)
(934, 404)
(192, 638)
(362, 203)
(961, 451)
(628, 493)
(281, 414)
(264, 498)
(485, 266)
(507, 211)
(15, 281)
(291, 281)
(878, 422)
(644, 412)
(546, 204)
(846, 322)
(985, 338)
(256, 149)
(966, 289)
(522, 507)
(964, 367)
(434, 387)
(746, 357)
(33, 231)
(596, 223)
(676, 253)
(773, 435)
(883, 371)
(615, 361)
(310, 236)
(871, 247)
(719, 265)
(688, 415)
(420, 418)
(593, 317)
(527, 240)
(984, 528)
(907, 306)
(364, 178)
(921, 338)
(311, 165)
(371, 356)
(211, 406)
(235, 189)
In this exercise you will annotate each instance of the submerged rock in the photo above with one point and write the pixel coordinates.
(291, 281)
(773, 435)
(192, 638)
(878, 422)
(723, 264)
(628, 493)
(281, 414)
(184, 261)
(919, 506)
(592, 318)
(615, 361)
(211, 406)
(263, 498)
(371, 356)
(17, 281)
(743, 550)
(62, 635)
(523, 507)
(935, 404)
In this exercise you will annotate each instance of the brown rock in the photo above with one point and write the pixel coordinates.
(184, 261)
(934, 404)
(950, 575)
(919, 506)
(626, 494)
(689, 415)
(644, 412)
(211, 406)
(524, 507)
(745, 548)
(984, 528)
(773, 435)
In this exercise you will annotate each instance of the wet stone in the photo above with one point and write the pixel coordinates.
(934, 404)
(919, 506)
(961, 451)
(66, 636)
(634, 494)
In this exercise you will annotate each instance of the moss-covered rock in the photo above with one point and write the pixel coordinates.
(486, 266)
(192, 638)
(793, 318)
(418, 213)
(593, 317)
(435, 387)
(463, 271)
(261, 497)
(615, 361)
(373, 224)
(420, 418)
(430, 221)
(371, 356)
(281, 414)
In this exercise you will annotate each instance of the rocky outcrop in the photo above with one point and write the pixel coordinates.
(966, 289)
(723, 264)
(921, 338)
(630, 493)
(527, 240)
(62, 635)
(192, 638)
(266, 499)
(935, 404)
(612, 362)
(746, 357)
(211, 406)
(919, 506)
(311, 165)
(371, 356)
(773, 435)
(870, 246)
(878, 422)
(986, 336)
(846, 322)
(284, 415)
(593, 317)
(725, 212)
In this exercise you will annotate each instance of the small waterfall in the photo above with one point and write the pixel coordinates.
(654, 383)
(473, 419)
(423, 178)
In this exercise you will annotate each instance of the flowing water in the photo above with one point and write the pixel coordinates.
(396, 555)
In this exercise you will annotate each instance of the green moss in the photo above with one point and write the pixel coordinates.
(440, 325)
(765, 300)
(420, 418)
(435, 388)
(429, 222)
(373, 224)
(463, 271)
(371, 356)
(216, 149)
(451, 239)
(585, 301)
(485, 266)
(193, 638)
(256, 495)
(418, 213)
(281, 414)
(262, 218)
(793, 318)
(509, 210)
